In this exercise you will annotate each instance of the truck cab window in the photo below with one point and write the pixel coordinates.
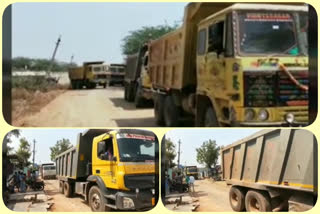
(216, 37)
(202, 39)
(105, 149)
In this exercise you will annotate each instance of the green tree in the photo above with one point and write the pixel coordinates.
(133, 42)
(23, 153)
(170, 153)
(59, 147)
(7, 148)
(208, 153)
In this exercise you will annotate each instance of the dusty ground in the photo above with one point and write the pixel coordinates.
(61, 203)
(213, 196)
(94, 108)
(26, 103)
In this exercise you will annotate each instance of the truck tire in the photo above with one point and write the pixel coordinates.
(171, 112)
(139, 100)
(130, 92)
(210, 118)
(125, 92)
(236, 199)
(257, 201)
(96, 200)
(61, 187)
(159, 109)
(104, 85)
(67, 189)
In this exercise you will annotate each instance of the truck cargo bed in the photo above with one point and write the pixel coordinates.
(273, 158)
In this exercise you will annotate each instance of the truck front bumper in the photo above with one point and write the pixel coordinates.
(271, 124)
(144, 200)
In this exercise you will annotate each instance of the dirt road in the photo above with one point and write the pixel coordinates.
(213, 196)
(61, 203)
(91, 108)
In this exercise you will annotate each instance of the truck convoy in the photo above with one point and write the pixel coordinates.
(111, 169)
(192, 171)
(137, 83)
(233, 64)
(115, 74)
(272, 170)
(89, 75)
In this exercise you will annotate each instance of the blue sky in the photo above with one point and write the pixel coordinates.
(46, 138)
(90, 31)
(193, 138)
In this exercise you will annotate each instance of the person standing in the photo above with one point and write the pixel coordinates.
(23, 183)
(191, 182)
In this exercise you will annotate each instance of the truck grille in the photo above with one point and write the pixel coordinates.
(139, 181)
(269, 89)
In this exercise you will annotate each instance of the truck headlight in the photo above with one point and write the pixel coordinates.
(249, 114)
(263, 115)
(289, 118)
(153, 191)
(128, 203)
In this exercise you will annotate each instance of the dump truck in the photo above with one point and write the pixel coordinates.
(89, 75)
(272, 170)
(233, 64)
(192, 171)
(111, 169)
(137, 83)
(115, 74)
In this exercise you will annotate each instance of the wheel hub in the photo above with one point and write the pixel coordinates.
(96, 201)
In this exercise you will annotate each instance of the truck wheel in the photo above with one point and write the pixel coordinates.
(159, 109)
(210, 118)
(67, 189)
(61, 187)
(139, 100)
(104, 85)
(257, 201)
(236, 199)
(96, 201)
(171, 112)
(130, 93)
(125, 92)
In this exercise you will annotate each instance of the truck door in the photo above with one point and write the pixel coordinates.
(105, 165)
(201, 58)
(215, 61)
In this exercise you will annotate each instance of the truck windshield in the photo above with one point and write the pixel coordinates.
(136, 148)
(267, 33)
(190, 170)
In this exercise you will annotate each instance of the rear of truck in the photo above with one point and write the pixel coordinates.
(138, 87)
(272, 170)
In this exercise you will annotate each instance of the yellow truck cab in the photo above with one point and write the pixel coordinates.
(89, 75)
(112, 169)
(233, 64)
(99, 72)
(192, 171)
(252, 64)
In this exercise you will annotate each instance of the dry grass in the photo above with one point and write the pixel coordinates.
(29, 101)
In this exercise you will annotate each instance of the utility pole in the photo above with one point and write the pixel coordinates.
(54, 55)
(179, 142)
(34, 152)
(71, 60)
